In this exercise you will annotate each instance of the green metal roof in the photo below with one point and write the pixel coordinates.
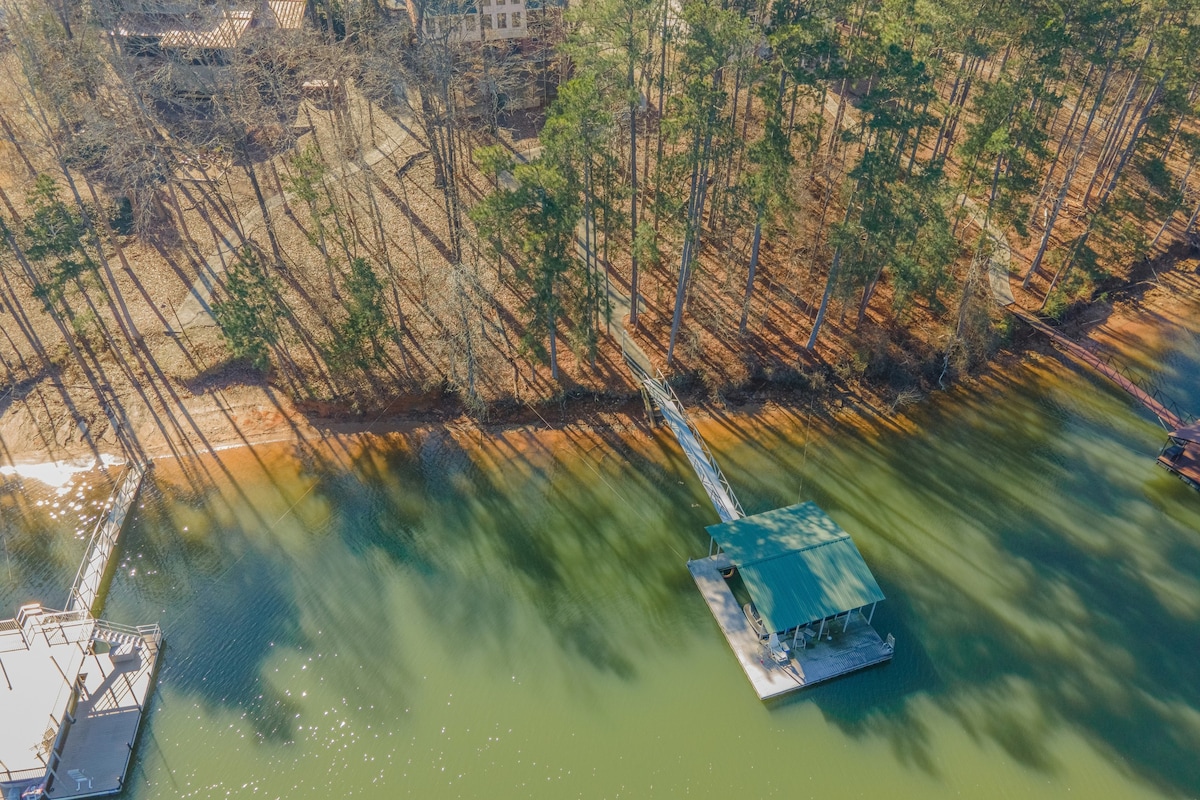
(799, 565)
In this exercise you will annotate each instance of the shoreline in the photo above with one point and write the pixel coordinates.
(248, 416)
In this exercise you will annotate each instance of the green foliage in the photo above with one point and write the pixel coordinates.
(769, 181)
(251, 311)
(54, 235)
(358, 340)
(306, 183)
(1005, 146)
(121, 217)
(533, 224)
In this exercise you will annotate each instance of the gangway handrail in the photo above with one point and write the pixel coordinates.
(152, 631)
(1168, 412)
(660, 390)
(712, 462)
(121, 496)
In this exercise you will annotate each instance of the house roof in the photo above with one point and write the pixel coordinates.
(798, 564)
(212, 28)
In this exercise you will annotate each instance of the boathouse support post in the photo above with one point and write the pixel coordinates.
(871, 616)
(821, 632)
(846, 626)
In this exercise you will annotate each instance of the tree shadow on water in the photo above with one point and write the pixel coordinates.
(494, 536)
(1036, 589)
(223, 612)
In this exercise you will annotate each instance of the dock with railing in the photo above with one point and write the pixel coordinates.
(1181, 454)
(74, 688)
(86, 588)
(114, 685)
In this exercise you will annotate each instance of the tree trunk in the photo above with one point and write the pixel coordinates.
(691, 238)
(262, 205)
(750, 275)
(830, 282)
(1066, 184)
(633, 195)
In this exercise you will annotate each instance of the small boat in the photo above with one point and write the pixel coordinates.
(755, 620)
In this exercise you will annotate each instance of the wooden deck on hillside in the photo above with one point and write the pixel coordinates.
(856, 647)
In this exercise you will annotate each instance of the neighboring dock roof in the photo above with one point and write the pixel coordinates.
(1188, 433)
(799, 565)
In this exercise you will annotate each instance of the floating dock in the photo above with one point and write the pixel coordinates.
(807, 580)
(1181, 454)
(73, 688)
(844, 647)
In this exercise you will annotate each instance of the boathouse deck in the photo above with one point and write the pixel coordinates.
(854, 648)
(1184, 462)
(114, 687)
(75, 688)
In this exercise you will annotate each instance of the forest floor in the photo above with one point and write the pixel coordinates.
(252, 411)
(169, 388)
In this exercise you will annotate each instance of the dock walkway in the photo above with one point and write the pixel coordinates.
(86, 589)
(702, 461)
(1150, 397)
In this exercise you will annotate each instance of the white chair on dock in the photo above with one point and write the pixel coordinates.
(777, 649)
(80, 778)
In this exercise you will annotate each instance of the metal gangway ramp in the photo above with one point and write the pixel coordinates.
(702, 461)
(1166, 410)
(86, 588)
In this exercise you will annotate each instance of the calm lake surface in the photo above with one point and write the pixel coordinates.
(496, 616)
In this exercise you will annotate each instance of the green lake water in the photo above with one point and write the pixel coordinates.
(509, 616)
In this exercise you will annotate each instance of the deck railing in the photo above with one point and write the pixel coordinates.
(61, 627)
(723, 499)
(20, 775)
(86, 586)
(150, 632)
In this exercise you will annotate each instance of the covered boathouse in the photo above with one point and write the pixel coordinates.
(813, 591)
(1181, 454)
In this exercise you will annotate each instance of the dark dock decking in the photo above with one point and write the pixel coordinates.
(114, 687)
(1185, 466)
